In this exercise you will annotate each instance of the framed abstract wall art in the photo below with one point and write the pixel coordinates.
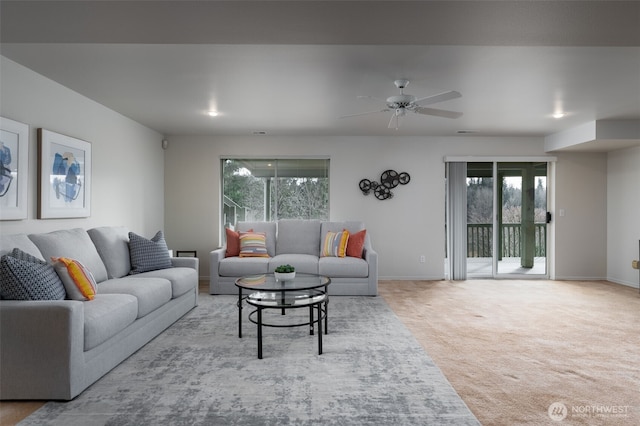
(64, 176)
(14, 163)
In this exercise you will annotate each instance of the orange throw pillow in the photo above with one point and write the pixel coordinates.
(356, 243)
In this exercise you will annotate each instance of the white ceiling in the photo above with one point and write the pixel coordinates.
(293, 68)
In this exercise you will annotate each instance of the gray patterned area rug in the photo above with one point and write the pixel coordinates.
(198, 372)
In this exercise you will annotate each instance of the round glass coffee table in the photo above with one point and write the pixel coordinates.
(303, 291)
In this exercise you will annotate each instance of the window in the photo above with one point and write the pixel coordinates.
(272, 189)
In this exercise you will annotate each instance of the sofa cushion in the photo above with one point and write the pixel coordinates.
(335, 244)
(25, 277)
(112, 244)
(253, 244)
(150, 292)
(77, 279)
(148, 255)
(343, 267)
(21, 241)
(107, 315)
(269, 229)
(74, 244)
(240, 266)
(298, 236)
(304, 263)
(182, 279)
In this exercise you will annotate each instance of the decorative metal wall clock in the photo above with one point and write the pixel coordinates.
(389, 179)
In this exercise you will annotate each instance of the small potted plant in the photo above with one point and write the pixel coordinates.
(285, 272)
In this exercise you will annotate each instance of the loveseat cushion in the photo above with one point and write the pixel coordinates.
(240, 266)
(150, 292)
(343, 267)
(107, 315)
(304, 263)
(182, 279)
(298, 236)
(112, 243)
(74, 244)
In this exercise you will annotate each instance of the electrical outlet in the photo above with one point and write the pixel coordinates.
(634, 264)
(423, 259)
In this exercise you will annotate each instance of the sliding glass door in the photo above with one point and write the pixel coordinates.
(504, 233)
(521, 220)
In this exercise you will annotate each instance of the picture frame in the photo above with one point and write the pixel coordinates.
(64, 176)
(186, 253)
(14, 169)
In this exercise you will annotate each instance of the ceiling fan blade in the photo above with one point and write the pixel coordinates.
(437, 112)
(446, 96)
(364, 113)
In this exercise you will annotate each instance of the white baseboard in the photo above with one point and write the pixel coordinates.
(623, 282)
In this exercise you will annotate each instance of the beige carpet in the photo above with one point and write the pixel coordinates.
(513, 348)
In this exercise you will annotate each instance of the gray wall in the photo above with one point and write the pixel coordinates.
(623, 214)
(127, 158)
(138, 185)
(409, 225)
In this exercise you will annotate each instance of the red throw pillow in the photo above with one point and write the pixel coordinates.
(233, 243)
(356, 243)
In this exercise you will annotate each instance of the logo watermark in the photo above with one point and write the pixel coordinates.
(558, 411)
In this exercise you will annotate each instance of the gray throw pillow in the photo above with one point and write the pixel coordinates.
(25, 277)
(148, 255)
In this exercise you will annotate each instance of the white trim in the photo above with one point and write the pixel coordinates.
(490, 159)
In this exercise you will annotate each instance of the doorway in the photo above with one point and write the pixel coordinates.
(506, 220)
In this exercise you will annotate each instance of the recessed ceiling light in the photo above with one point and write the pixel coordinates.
(558, 115)
(213, 113)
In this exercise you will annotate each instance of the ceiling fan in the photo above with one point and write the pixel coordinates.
(400, 104)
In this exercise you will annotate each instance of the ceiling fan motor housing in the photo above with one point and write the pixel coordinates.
(400, 101)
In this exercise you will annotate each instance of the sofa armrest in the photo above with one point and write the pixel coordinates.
(214, 258)
(41, 350)
(371, 256)
(185, 262)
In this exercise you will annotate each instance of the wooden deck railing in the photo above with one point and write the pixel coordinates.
(480, 240)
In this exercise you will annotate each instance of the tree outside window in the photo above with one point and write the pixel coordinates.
(272, 189)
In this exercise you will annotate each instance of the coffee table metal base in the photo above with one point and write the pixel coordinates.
(315, 303)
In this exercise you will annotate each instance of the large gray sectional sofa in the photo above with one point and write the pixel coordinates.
(54, 349)
(298, 243)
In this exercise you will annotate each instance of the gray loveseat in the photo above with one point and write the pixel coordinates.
(298, 243)
(54, 349)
